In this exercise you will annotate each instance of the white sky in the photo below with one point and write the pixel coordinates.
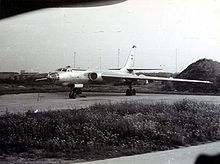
(44, 40)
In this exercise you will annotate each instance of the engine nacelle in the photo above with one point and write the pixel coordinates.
(95, 77)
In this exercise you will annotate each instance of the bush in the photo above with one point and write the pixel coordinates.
(109, 130)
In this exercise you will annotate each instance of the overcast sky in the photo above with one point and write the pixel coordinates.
(45, 40)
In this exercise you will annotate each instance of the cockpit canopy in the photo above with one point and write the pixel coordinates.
(67, 69)
(62, 69)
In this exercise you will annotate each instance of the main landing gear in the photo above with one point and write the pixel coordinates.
(130, 91)
(74, 92)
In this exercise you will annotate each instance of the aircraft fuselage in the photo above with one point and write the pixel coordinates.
(84, 77)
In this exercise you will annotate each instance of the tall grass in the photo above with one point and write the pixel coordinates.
(109, 130)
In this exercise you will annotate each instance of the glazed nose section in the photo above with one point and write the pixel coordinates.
(54, 76)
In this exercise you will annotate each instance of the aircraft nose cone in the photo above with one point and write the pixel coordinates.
(53, 76)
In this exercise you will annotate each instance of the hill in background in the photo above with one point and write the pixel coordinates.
(203, 69)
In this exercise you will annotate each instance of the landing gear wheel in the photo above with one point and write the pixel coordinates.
(78, 91)
(128, 92)
(74, 92)
(72, 95)
(133, 92)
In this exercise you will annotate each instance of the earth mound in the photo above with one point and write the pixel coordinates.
(203, 69)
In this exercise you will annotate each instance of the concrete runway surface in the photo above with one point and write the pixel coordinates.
(185, 155)
(58, 101)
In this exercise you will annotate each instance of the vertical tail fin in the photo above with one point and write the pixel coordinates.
(130, 61)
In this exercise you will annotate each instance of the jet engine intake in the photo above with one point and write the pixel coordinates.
(96, 77)
(93, 76)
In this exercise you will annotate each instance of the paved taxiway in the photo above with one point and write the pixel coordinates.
(185, 155)
(53, 101)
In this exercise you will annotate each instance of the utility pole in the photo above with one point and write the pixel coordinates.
(118, 57)
(176, 60)
(100, 62)
(74, 56)
(100, 59)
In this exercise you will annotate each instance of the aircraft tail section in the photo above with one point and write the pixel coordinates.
(130, 61)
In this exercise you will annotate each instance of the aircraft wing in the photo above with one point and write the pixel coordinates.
(143, 77)
(138, 69)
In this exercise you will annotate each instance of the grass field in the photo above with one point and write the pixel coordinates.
(109, 130)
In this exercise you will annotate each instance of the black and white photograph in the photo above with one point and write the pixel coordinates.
(109, 81)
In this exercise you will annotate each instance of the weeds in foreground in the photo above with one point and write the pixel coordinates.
(108, 130)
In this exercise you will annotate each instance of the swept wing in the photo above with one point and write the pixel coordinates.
(143, 77)
(138, 69)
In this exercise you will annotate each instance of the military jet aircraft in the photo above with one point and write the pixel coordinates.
(75, 78)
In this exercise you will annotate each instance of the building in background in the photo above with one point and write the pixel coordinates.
(22, 76)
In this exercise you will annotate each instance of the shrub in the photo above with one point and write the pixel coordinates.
(110, 129)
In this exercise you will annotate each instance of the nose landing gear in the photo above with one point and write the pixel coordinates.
(74, 92)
